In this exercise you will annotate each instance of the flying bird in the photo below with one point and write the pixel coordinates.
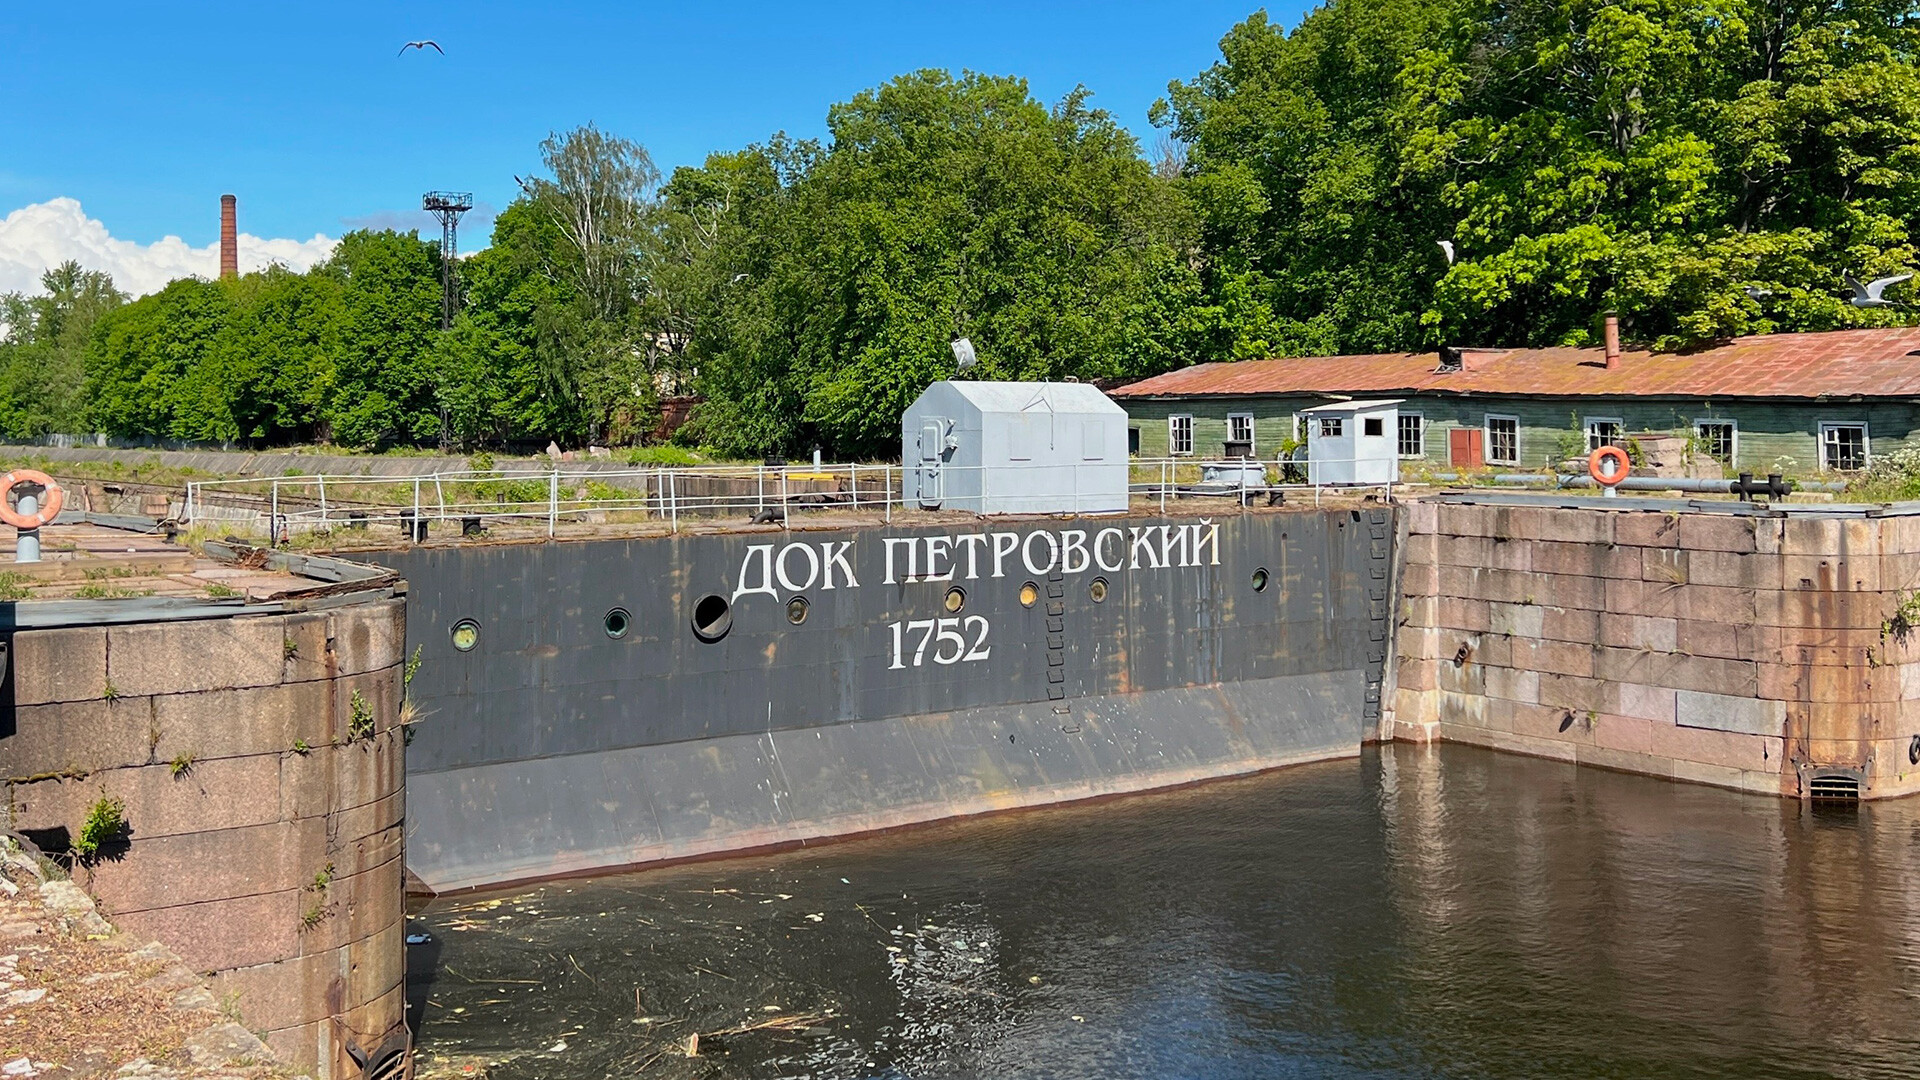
(1755, 292)
(422, 46)
(963, 354)
(1447, 246)
(1868, 295)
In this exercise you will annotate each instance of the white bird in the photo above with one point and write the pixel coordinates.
(1447, 246)
(738, 278)
(422, 46)
(1868, 295)
(1755, 292)
(963, 354)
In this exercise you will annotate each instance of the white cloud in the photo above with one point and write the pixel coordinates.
(36, 238)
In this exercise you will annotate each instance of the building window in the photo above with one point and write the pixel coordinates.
(1503, 440)
(1180, 434)
(1603, 431)
(1133, 441)
(1330, 427)
(1374, 427)
(1718, 439)
(1413, 435)
(1240, 428)
(1843, 447)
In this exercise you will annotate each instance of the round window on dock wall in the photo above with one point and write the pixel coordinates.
(1029, 594)
(465, 634)
(712, 618)
(797, 610)
(618, 622)
(955, 600)
(1260, 580)
(1097, 590)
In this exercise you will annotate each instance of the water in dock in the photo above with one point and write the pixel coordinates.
(1418, 912)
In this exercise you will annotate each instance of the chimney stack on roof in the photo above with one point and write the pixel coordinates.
(229, 239)
(1613, 341)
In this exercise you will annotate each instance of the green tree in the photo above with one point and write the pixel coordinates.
(142, 352)
(43, 344)
(942, 207)
(383, 367)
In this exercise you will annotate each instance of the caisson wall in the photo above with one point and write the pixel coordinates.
(1752, 649)
(259, 761)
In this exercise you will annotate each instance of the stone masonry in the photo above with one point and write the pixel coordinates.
(1751, 652)
(260, 762)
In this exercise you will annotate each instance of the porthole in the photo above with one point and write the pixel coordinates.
(1097, 589)
(712, 618)
(466, 634)
(618, 622)
(955, 600)
(1029, 594)
(1260, 580)
(797, 610)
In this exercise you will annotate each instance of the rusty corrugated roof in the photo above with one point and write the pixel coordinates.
(1838, 363)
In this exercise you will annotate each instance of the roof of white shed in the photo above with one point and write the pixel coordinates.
(1014, 397)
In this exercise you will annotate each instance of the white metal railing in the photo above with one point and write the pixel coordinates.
(666, 493)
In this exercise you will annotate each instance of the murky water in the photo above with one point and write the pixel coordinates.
(1419, 912)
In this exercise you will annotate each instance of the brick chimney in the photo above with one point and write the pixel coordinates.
(1613, 341)
(229, 239)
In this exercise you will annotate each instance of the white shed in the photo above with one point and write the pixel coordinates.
(1014, 448)
(1353, 442)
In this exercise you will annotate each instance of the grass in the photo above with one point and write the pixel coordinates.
(97, 591)
(181, 765)
(13, 585)
(220, 591)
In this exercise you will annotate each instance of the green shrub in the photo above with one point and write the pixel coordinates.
(662, 454)
(106, 820)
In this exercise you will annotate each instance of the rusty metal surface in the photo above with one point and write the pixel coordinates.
(554, 747)
(1874, 362)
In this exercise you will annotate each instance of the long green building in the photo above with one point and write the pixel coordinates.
(1791, 403)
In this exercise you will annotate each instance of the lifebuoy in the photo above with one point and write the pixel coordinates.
(49, 501)
(1622, 464)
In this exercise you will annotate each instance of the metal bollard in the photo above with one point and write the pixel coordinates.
(28, 547)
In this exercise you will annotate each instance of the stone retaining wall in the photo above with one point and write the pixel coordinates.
(1746, 652)
(261, 765)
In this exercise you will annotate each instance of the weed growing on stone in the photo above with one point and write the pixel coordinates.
(359, 717)
(12, 585)
(110, 692)
(300, 746)
(182, 765)
(221, 591)
(289, 649)
(105, 820)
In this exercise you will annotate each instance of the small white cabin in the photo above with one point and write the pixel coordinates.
(1353, 442)
(1014, 448)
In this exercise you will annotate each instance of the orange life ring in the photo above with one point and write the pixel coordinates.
(49, 502)
(1623, 465)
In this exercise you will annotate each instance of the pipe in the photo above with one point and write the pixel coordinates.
(229, 238)
(1639, 483)
(27, 548)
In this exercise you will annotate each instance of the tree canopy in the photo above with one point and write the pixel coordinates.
(1705, 168)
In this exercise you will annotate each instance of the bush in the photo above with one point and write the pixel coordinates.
(1893, 477)
(106, 820)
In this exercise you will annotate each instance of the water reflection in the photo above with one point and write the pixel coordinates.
(1419, 912)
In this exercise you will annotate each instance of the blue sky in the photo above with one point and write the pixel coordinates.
(146, 113)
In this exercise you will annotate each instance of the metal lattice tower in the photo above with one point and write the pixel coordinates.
(447, 206)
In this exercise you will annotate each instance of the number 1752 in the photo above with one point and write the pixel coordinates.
(949, 638)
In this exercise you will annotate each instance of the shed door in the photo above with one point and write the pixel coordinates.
(932, 442)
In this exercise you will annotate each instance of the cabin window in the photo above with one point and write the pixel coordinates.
(1240, 428)
(1373, 427)
(1133, 441)
(1718, 439)
(1180, 434)
(1603, 431)
(1843, 447)
(1413, 435)
(1503, 440)
(1331, 427)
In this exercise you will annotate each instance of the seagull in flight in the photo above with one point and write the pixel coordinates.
(1446, 246)
(422, 46)
(1868, 295)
